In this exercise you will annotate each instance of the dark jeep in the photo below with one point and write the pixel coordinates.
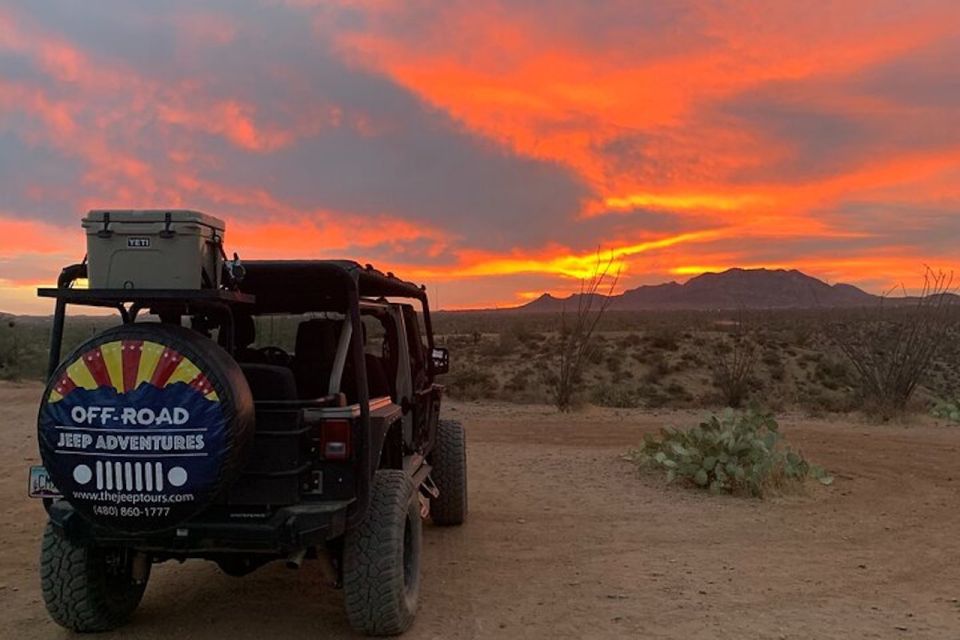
(200, 434)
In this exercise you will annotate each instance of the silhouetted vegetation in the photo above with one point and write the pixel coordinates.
(892, 349)
(681, 359)
(575, 344)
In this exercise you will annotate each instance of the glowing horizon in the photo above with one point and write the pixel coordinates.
(486, 150)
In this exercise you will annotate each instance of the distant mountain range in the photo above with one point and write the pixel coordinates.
(732, 289)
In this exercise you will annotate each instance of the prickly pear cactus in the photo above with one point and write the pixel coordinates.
(731, 453)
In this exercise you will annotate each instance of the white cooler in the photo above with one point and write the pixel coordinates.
(153, 249)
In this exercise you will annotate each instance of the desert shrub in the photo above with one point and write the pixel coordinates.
(506, 344)
(472, 383)
(832, 373)
(630, 340)
(771, 358)
(653, 396)
(690, 359)
(742, 453)
(530, 340)
(9, 369)
(615, 395)
(595, 356)
(803, 332)
(577, 334)
(678, 393)
(615, 362)
(948, 410)
(520, 380)
(664, 338)
(657, 368)
(818, 401)
(547, 347)
(891, 348)
(733, 369)
(524, 386)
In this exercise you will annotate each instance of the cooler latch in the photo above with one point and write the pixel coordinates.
(105, 232)
(168, 231)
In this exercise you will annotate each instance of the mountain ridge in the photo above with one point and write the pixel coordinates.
(734, 288)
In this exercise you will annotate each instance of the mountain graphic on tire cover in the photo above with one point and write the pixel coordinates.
(134, 435)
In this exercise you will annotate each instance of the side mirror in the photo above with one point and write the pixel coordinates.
(439, 361)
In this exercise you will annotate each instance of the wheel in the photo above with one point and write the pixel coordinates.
(88, 588)
(449, 460)
(381, 558)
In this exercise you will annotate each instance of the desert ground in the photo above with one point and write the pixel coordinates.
(567, 540)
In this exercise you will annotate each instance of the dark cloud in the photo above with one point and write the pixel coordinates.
(925, 230)
(830, 125)
(624, 29)
(928, 78)
(817, 141)
(354, 141)
(36, 182)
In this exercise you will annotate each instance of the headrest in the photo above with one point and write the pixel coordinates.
(244, 330)
(317, 337)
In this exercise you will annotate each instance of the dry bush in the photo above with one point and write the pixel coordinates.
(891, 348)
(734, 365)
(9, 348)
(473, 383)
(576, 346)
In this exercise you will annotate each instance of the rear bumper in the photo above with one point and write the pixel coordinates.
(280, 531)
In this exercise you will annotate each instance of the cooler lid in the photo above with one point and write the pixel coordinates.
(97, 216)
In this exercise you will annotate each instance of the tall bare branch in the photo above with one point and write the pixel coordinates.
(576, 337)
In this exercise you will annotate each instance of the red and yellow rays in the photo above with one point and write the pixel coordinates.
(125, 365)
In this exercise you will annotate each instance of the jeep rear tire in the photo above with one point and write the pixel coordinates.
(88, 588)
(381, 558)
(449, 459)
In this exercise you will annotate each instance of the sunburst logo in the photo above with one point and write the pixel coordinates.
(126, 364)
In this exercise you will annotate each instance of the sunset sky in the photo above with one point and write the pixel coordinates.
(489, 148)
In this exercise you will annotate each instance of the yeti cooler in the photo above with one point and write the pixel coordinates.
(153, 249)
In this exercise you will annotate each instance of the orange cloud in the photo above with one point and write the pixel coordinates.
(231, 119)
(23, 236)
(689, 136)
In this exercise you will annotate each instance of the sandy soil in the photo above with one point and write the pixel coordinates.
(565, 540)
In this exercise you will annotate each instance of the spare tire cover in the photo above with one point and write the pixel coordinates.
(144, 425)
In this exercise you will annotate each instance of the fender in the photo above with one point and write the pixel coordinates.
(382, 421)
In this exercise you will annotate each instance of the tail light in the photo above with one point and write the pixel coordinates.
(335, 439)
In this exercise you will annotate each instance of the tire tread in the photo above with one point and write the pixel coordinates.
(450, 475)
(373, 569)
(74, 592)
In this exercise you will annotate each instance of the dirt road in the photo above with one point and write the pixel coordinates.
(566, 541)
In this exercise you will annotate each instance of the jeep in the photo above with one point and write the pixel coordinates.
(287, 410)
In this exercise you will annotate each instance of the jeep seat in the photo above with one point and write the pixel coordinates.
(244, 334)
(313, 357)
(269, 381)
(378, 384)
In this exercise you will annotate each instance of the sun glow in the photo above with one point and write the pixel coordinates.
(684, 202)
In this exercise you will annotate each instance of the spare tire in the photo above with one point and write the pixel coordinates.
(144, 425)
